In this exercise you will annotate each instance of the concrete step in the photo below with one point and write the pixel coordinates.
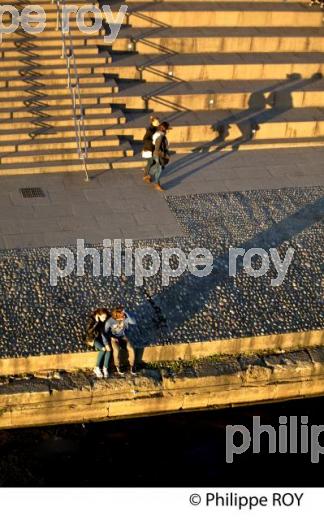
(221, 14)
(95, 166)
(53, 167)
(54, 110)
(15, 39)
(93, 71)
(122, 150)
(53, 62)
(210, 66)
(41, 92)
(51, 123)
(35, 145)
(50, 15)
(56, 121)
(61, 101)
(75, 28)
(186, 40)
(11, 82)
(223, 94)
(196, 40)
(88, 65)
(50, 49)
(60, 127)
(188, 127)
(49, 31)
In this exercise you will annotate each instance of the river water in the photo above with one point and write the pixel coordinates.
(185, 449)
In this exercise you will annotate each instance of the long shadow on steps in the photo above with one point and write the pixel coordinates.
(248, 122)
(35, 102)
(279, 99)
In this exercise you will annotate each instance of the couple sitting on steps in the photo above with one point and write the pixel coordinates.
(106, 331)
(156, 151)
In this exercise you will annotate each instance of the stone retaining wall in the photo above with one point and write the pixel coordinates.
(79, 397)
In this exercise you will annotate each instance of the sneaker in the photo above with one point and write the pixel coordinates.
(98, 373)
(158, 187)
(147, 179)
(120, 372)
(105, 372)
(133, 371)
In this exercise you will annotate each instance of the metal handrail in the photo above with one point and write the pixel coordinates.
(74, 86)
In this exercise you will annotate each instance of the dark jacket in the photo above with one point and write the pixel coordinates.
(148, 145)
(161, 148)
(95, 330)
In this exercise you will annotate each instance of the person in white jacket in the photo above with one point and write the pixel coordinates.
(161, 154)
(148, 147)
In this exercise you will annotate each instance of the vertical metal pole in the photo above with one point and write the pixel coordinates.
(74, 87)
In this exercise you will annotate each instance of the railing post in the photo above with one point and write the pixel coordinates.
(74, 87)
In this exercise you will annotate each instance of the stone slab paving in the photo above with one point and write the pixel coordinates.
(39, 318)
(120, 205)
(228, 170)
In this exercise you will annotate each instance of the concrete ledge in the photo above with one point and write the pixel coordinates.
(182, 351)
(79, 397)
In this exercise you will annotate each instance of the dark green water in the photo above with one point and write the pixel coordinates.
(185, 449)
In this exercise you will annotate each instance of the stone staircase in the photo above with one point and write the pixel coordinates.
(246, 74)
(220, 70)
(37, 133)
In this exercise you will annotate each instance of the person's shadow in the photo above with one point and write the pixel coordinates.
(279, 100)
(246, 121)
(257, 104)
(263, 106)
(249, 121)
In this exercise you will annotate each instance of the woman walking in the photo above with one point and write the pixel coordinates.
(161, 155)
(148, 146)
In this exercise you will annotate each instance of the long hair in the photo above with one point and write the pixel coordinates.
(100, 310)
(93, 326)
(163, 127)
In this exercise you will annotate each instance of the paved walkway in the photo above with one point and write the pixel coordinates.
(245, 170)
(111, 206)
(120, 205)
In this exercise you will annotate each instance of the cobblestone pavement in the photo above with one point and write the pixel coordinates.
(39, 318)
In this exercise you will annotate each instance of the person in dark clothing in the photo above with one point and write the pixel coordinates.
(161, 155)
(97, 337)
(148, 147)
